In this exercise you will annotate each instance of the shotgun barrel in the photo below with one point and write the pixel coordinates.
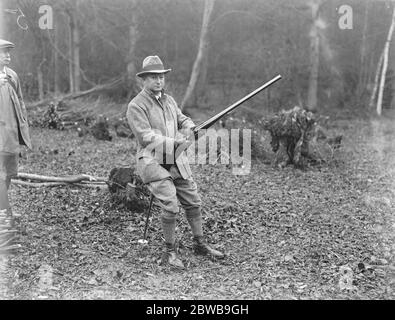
(208, 123)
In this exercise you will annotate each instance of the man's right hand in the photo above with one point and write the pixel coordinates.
(179, 140)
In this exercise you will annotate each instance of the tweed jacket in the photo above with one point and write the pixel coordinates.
(155, 123)
(14, 128)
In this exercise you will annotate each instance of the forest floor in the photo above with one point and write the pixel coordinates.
(287, 233)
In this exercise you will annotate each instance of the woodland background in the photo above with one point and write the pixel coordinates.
(324, 231)
(244, 44)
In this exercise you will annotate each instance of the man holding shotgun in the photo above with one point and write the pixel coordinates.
(160, 127)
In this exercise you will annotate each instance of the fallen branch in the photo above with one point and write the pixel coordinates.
(106, 86)
(39, 181)
(69, 179)
(57, 184)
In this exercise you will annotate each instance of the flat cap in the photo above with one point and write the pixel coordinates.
(6, 44)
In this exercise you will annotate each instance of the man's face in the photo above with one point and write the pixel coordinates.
(154, 82)
(5, 57)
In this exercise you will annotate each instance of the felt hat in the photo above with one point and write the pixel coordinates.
(152, 64)
(6, 44)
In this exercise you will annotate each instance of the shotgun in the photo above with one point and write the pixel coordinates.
(208, 123)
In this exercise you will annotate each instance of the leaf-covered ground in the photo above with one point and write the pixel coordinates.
(288, 234)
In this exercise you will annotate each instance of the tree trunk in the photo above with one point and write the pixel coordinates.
(203, 42)
(71, 55)
(76, 55)
(385, 65)
(314, 57)
(376, 81)
(131, 66)
(40, 80)
(74, 49)
(199, 93)
(133, 36)
(75, 73)
(363, 65)
(56, 64)
(392, 63)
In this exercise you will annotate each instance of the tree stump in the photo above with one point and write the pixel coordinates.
(291, 132)
(127, 188)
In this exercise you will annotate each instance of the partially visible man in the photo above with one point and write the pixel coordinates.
(160, 127)
(14, 131)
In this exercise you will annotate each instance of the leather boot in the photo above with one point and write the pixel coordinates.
(170, 257)
(200, 247)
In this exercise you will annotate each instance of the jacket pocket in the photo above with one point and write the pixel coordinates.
(150, 170)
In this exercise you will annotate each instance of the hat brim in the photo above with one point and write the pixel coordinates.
(8, 46)
(152, 71)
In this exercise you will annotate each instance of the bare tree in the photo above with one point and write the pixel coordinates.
(74, 46)
(130, 59)
(203, 42)
(385, 65)
(376, 80)
(363, 66)
(56, 63)
(40, 79)
(314, 54)
(391, 59)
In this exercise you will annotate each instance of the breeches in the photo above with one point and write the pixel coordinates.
(169, 191)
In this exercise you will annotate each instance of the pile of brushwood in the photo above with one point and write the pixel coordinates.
(127, 189)
(59, 115)
(66, 116)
